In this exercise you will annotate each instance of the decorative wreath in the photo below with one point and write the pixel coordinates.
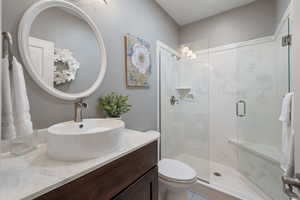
(65, 66)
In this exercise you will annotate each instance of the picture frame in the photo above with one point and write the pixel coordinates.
(137, 62)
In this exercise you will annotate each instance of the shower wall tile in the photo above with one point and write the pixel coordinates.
(190, 118)
(222, 107)
(258, 83)
(249, 73)
(186, 130)
(257, 74)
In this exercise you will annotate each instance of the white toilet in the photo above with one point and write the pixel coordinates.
(175, 179)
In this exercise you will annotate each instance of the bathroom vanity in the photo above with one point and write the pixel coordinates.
(133, 176)
(129, 172)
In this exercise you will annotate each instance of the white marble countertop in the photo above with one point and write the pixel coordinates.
(29, 176)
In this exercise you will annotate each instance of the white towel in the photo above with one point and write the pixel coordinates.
(288, 139)
(22, 117)
(285, 115)
(7, 123)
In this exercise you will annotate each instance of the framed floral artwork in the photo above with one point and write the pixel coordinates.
(137, 62)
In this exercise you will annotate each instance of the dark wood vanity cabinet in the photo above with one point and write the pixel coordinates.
(132, 177)
(146, 188)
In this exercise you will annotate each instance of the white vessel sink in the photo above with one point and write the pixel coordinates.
(92, 138)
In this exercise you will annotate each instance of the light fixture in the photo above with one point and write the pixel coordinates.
(188, 53)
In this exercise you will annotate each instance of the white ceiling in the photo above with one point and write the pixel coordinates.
(188, 11)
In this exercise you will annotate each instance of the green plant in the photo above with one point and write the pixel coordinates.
(114, 104)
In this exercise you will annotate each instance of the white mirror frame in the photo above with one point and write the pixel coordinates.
(24, 33)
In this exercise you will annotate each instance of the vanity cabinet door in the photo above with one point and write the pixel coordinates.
(146, 188)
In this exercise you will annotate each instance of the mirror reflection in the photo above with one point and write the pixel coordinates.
(58, 45)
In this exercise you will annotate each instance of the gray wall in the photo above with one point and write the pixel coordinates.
(281, 6)
(143, 18)
(248, 22)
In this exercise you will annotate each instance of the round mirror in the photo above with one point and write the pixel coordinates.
(62, 49)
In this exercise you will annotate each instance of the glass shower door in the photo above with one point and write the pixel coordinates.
(185, 111)
(262, 81)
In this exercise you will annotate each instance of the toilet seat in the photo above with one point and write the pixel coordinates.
(176, 171)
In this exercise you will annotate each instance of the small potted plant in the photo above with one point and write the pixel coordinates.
(114, 105)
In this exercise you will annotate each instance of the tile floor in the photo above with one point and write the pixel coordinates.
(195, 196)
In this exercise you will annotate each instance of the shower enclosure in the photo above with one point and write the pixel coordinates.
(185, 111)
(219, 112)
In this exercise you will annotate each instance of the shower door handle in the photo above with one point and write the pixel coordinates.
(237, 108)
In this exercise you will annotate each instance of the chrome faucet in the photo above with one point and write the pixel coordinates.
(78, 110)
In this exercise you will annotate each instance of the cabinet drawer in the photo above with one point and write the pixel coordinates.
(109, 180)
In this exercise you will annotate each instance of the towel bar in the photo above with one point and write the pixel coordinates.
(7, 44)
